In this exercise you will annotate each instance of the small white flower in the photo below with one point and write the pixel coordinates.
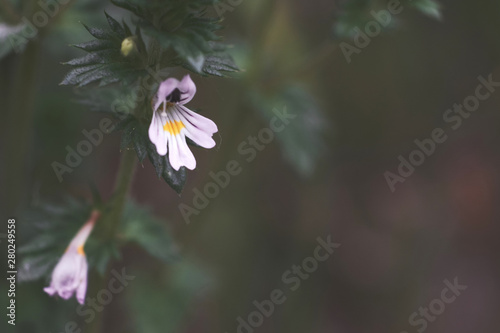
(70, 274)
(172, 122)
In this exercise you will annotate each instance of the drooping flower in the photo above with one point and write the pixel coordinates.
(172, 122)
(70, 274)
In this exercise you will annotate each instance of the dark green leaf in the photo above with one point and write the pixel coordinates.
(140, 227)
(104, 62)
(182, 285)
(135, 136)
(46, 233)
(301, 140)
(115, 26)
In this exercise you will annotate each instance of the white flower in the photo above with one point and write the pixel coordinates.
(70, 274)
(172, 122)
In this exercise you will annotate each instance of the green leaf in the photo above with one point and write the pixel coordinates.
(302, 139)
(140, 227)
(130, 6)
(46, 234)
(219, 62)
(175, 178)
(104, 62)
(100, 253)
(183, 27)
(34, 267)
(181, 286)
(431, 8)
(115, 26)
(135, 136)
(95, 45)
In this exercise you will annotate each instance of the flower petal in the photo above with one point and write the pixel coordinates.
(165, 89)
(187, 89)
(82, 287)
(199, 136)
(49, 290)
(70, 274)
(156, 133)
(65, 275)
(84, 232)
(203, 123)
(178, 151)
(185, 154)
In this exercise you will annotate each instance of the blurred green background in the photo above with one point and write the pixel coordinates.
(325, 177)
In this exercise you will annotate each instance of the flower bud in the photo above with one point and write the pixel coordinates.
(128, 46)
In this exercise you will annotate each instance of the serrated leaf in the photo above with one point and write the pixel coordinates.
(122, 123)
(99, 33)
(141, 150)
(106, 52)
(140, 227)
(99, 254)
(135, 136)
(175, 178)
(96, 57)
(114, 25)
(217, 63)
(95, 45)
(301, 140)
(46, 233)
(128, 6)
(37, 266)
(197, 62)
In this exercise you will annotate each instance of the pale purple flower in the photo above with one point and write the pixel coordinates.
(70, 274)
(172, 122)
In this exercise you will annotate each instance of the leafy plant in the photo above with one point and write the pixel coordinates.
(50, 227)
(167, 34)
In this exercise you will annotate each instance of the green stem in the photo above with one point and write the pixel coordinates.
(62, 9)
(109, 223)
(122, 185)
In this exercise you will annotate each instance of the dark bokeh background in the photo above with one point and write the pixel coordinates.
(397, 248)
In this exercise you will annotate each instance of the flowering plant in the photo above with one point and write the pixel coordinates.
(144, 66)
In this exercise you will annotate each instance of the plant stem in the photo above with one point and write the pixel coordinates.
(107, 228)
(124, 178)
